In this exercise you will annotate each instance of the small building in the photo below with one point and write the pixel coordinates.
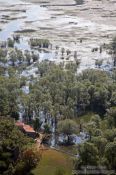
(26, 129)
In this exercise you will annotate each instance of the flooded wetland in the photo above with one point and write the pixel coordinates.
(73, 25)
(57, 86)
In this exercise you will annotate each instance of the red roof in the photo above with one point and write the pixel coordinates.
(27, 128)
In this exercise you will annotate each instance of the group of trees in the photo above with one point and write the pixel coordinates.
(41, 43)
(17, 57)
(99, 152)
(112, 50)
(62, 96)
(59, 92)
(67, 127)
(9, 93)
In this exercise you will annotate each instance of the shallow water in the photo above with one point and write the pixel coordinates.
(33, 13)
(72, 26)
(9, 29)
(23, 44)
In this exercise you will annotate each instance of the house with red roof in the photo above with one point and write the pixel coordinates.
(26, 129)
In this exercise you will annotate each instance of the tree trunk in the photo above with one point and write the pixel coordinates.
(68, 139)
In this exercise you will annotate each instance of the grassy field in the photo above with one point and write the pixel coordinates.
(54, 163)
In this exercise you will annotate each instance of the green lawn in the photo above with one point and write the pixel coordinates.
(54, 163)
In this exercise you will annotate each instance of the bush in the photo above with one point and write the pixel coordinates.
(10, 42)
(41, 43)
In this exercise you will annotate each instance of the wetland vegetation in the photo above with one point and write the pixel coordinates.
(49, 88)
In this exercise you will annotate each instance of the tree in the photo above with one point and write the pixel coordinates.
(10, 42)
(37, 124)
(110, 134)
(28, 57)
(90, 129)
(81, 97)
(62, 51)
(13, 57)
(100, 143)
(47, 129)
(9, 93)
(112, 117)
(88, 156)
(97, 120)
(110, 155)
(20, 55)
(100, 99)
(75, 55)
(29, 159)
(98, 63)
(35, 57)
(112, 48)
(113, 98)
(71, 67)
(4, 104)
(67, 127)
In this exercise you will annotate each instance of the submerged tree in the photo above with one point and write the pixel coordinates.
(67, 127)
(112, 48)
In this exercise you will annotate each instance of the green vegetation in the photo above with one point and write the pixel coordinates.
(100, 149)
(54, 163)
(10, 42)
(41, 43)
(17, 156)
(85, 118)
(112, 49)
(67, 127)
